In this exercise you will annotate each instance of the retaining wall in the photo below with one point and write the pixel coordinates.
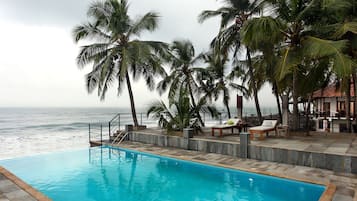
(337, 163)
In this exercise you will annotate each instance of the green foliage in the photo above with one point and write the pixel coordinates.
(114, 52)
(182, 60)
(254, 32)
(344, 28)
(180, 114)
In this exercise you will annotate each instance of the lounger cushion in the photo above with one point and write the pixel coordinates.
(266, 125)
(269, 123)
(230, 122)
(227, 124)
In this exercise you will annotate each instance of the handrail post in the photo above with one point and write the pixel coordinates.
(109, 129)
(101, 135)
(89, 132)
(204, 117)
(119, 122)
(141, 118)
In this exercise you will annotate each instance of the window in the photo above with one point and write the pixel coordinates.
(326, 109)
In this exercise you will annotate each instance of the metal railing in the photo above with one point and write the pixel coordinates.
(104, 131)
(95, 132)
(120, 137)
(118, 122)
(98, 132)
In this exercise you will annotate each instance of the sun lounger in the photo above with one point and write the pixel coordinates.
(230, 124)
(264, 129)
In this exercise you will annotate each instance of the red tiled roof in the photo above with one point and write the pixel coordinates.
(331, 91)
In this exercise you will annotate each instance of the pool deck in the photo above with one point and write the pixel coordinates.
(14, 189)
(341, 186)
(319, 142)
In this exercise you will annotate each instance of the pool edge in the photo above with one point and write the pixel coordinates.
(23, 185)
(327, 195)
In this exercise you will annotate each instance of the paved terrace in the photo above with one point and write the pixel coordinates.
(14, 189)
(329, 143)
(342, 186)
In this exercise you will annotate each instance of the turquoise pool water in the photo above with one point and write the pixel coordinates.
(114, 174)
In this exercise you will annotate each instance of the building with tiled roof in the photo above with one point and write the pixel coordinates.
(330, 106)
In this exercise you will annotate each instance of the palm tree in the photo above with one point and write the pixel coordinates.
(265, 48)
(182, 72)
(214, 79)
(301, 46)
(233, 15)
(114, 49)
(345, 28)
(180, 113)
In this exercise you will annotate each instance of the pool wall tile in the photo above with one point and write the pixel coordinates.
(304, 158)
(193, 145)
(292, 157)
(318, 160)
(279, 155)
(354, 164)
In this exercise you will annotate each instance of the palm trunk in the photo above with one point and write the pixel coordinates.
(307, 112)
(255, 90)
(348, 104)
(278, 102)
(228, 110)
(132, 104)
(354, 98)
(295, 125)
(195, 106)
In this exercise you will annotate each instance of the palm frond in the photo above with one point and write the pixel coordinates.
(207, 14)
(346, 27)
(91, 80)
(88, 31)
(289, 60)
(108, 75)
(148, 22)
(89, 53)
(239, 87)
(317, 47)
(254, 32)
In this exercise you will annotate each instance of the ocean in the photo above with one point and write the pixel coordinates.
(29, 131)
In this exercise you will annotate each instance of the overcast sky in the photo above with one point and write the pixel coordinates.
(37, 52)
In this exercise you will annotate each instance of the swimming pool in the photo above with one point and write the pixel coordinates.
(106, 173)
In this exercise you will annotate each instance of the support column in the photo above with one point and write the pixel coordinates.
(240, 107)
(187, 134)
(285, 120)
(244, 145)
(128, 128)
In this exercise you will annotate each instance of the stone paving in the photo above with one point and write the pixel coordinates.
(12, 192)
(14, 189)
(329, 143)
(346, 184)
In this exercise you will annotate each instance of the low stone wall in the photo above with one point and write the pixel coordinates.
(159, 140)
(208, 146)
(337, 163)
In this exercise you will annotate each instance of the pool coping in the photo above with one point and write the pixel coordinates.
(23, 185)
(327, 195)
